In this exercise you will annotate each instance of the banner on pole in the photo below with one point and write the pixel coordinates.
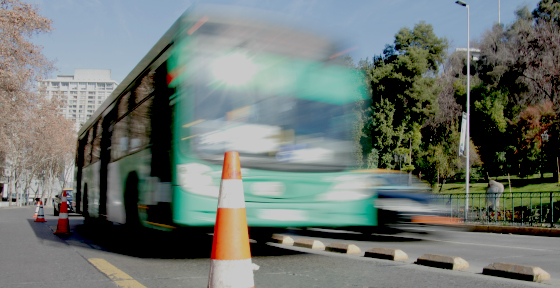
(463, 135)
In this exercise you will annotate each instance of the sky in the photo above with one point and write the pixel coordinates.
(116, 34)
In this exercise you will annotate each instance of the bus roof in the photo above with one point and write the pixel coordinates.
(218, 13)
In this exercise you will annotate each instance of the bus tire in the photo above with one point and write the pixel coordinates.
(131, 201)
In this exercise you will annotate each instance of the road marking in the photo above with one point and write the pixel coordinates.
(119, 277)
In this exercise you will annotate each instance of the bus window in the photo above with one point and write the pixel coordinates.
(87, 148)
(140, 127)
(120, 134)
(96, 149)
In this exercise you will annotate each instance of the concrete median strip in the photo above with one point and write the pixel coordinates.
(310, 243)
(514, 271)
(343, 248)
(442, 261)
(286, 240)
(387, 254)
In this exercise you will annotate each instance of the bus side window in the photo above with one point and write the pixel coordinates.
(96, 149)
(119, 147)
(140, 128)
(87, 148)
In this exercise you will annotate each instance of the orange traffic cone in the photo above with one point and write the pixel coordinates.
(41, 215)
(36, 210)
(231, 264)
(63, 226)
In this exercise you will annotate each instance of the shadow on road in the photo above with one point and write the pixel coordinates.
(142, 242)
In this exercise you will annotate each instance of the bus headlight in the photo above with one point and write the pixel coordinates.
(195, 178)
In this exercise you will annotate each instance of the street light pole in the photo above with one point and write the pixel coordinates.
(467, 142)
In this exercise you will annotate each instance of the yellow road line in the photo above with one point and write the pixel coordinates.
(119, 277)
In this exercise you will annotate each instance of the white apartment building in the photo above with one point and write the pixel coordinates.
(81, 93)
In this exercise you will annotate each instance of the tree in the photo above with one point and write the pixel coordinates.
(33, 136)
(404, 91)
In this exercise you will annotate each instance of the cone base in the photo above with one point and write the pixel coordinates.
(40, 220)
(62, 233)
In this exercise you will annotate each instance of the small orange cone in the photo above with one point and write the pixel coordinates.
(63, 227)
(41, 215)
(36, 210)
(231, 264)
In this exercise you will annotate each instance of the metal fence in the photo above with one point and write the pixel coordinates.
(517, 208)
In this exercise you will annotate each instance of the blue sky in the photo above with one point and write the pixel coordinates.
(116, 34)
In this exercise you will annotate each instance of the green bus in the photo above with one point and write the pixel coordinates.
(151, 155)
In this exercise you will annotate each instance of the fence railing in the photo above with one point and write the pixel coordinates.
(517, 208)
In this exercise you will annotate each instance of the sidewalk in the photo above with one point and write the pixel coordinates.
(537, 231)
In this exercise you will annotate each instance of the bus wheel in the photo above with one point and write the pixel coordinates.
(131, 201)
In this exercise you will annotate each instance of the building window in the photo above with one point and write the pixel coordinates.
(109, 86)
(82, 102)
(100, 86)
(75, 97)
(64, 85)
(89, 115)
(73, 86)
(100, 93)
(99, 102)
(65, 93)
(83, 85)
(74, 115)
(91, 102)
(73, 93)
(89, 111)
(55, 85)
(91, 93)
(91, 97)
(91, 86)
(90, 106)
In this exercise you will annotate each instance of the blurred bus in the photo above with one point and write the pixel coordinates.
(152, 154)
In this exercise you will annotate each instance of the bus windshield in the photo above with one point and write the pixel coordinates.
(278, 111)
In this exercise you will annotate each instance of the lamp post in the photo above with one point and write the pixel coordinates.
(544, 138)
(468, 111)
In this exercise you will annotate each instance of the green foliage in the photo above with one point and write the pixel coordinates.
(404, 91)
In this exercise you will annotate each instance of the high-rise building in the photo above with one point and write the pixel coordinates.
(81, 93)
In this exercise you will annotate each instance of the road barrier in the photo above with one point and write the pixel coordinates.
(41, 213)
(36, 211)
(63, 226)
(517, 208)
(231, 264)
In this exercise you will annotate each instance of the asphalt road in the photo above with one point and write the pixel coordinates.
(31, 256)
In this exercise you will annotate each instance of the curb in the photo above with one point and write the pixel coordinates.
(537, 231)
(343, 248)
(518, 272)
(310, 243)
(281, 239)
(442, 261)
(387, 254)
